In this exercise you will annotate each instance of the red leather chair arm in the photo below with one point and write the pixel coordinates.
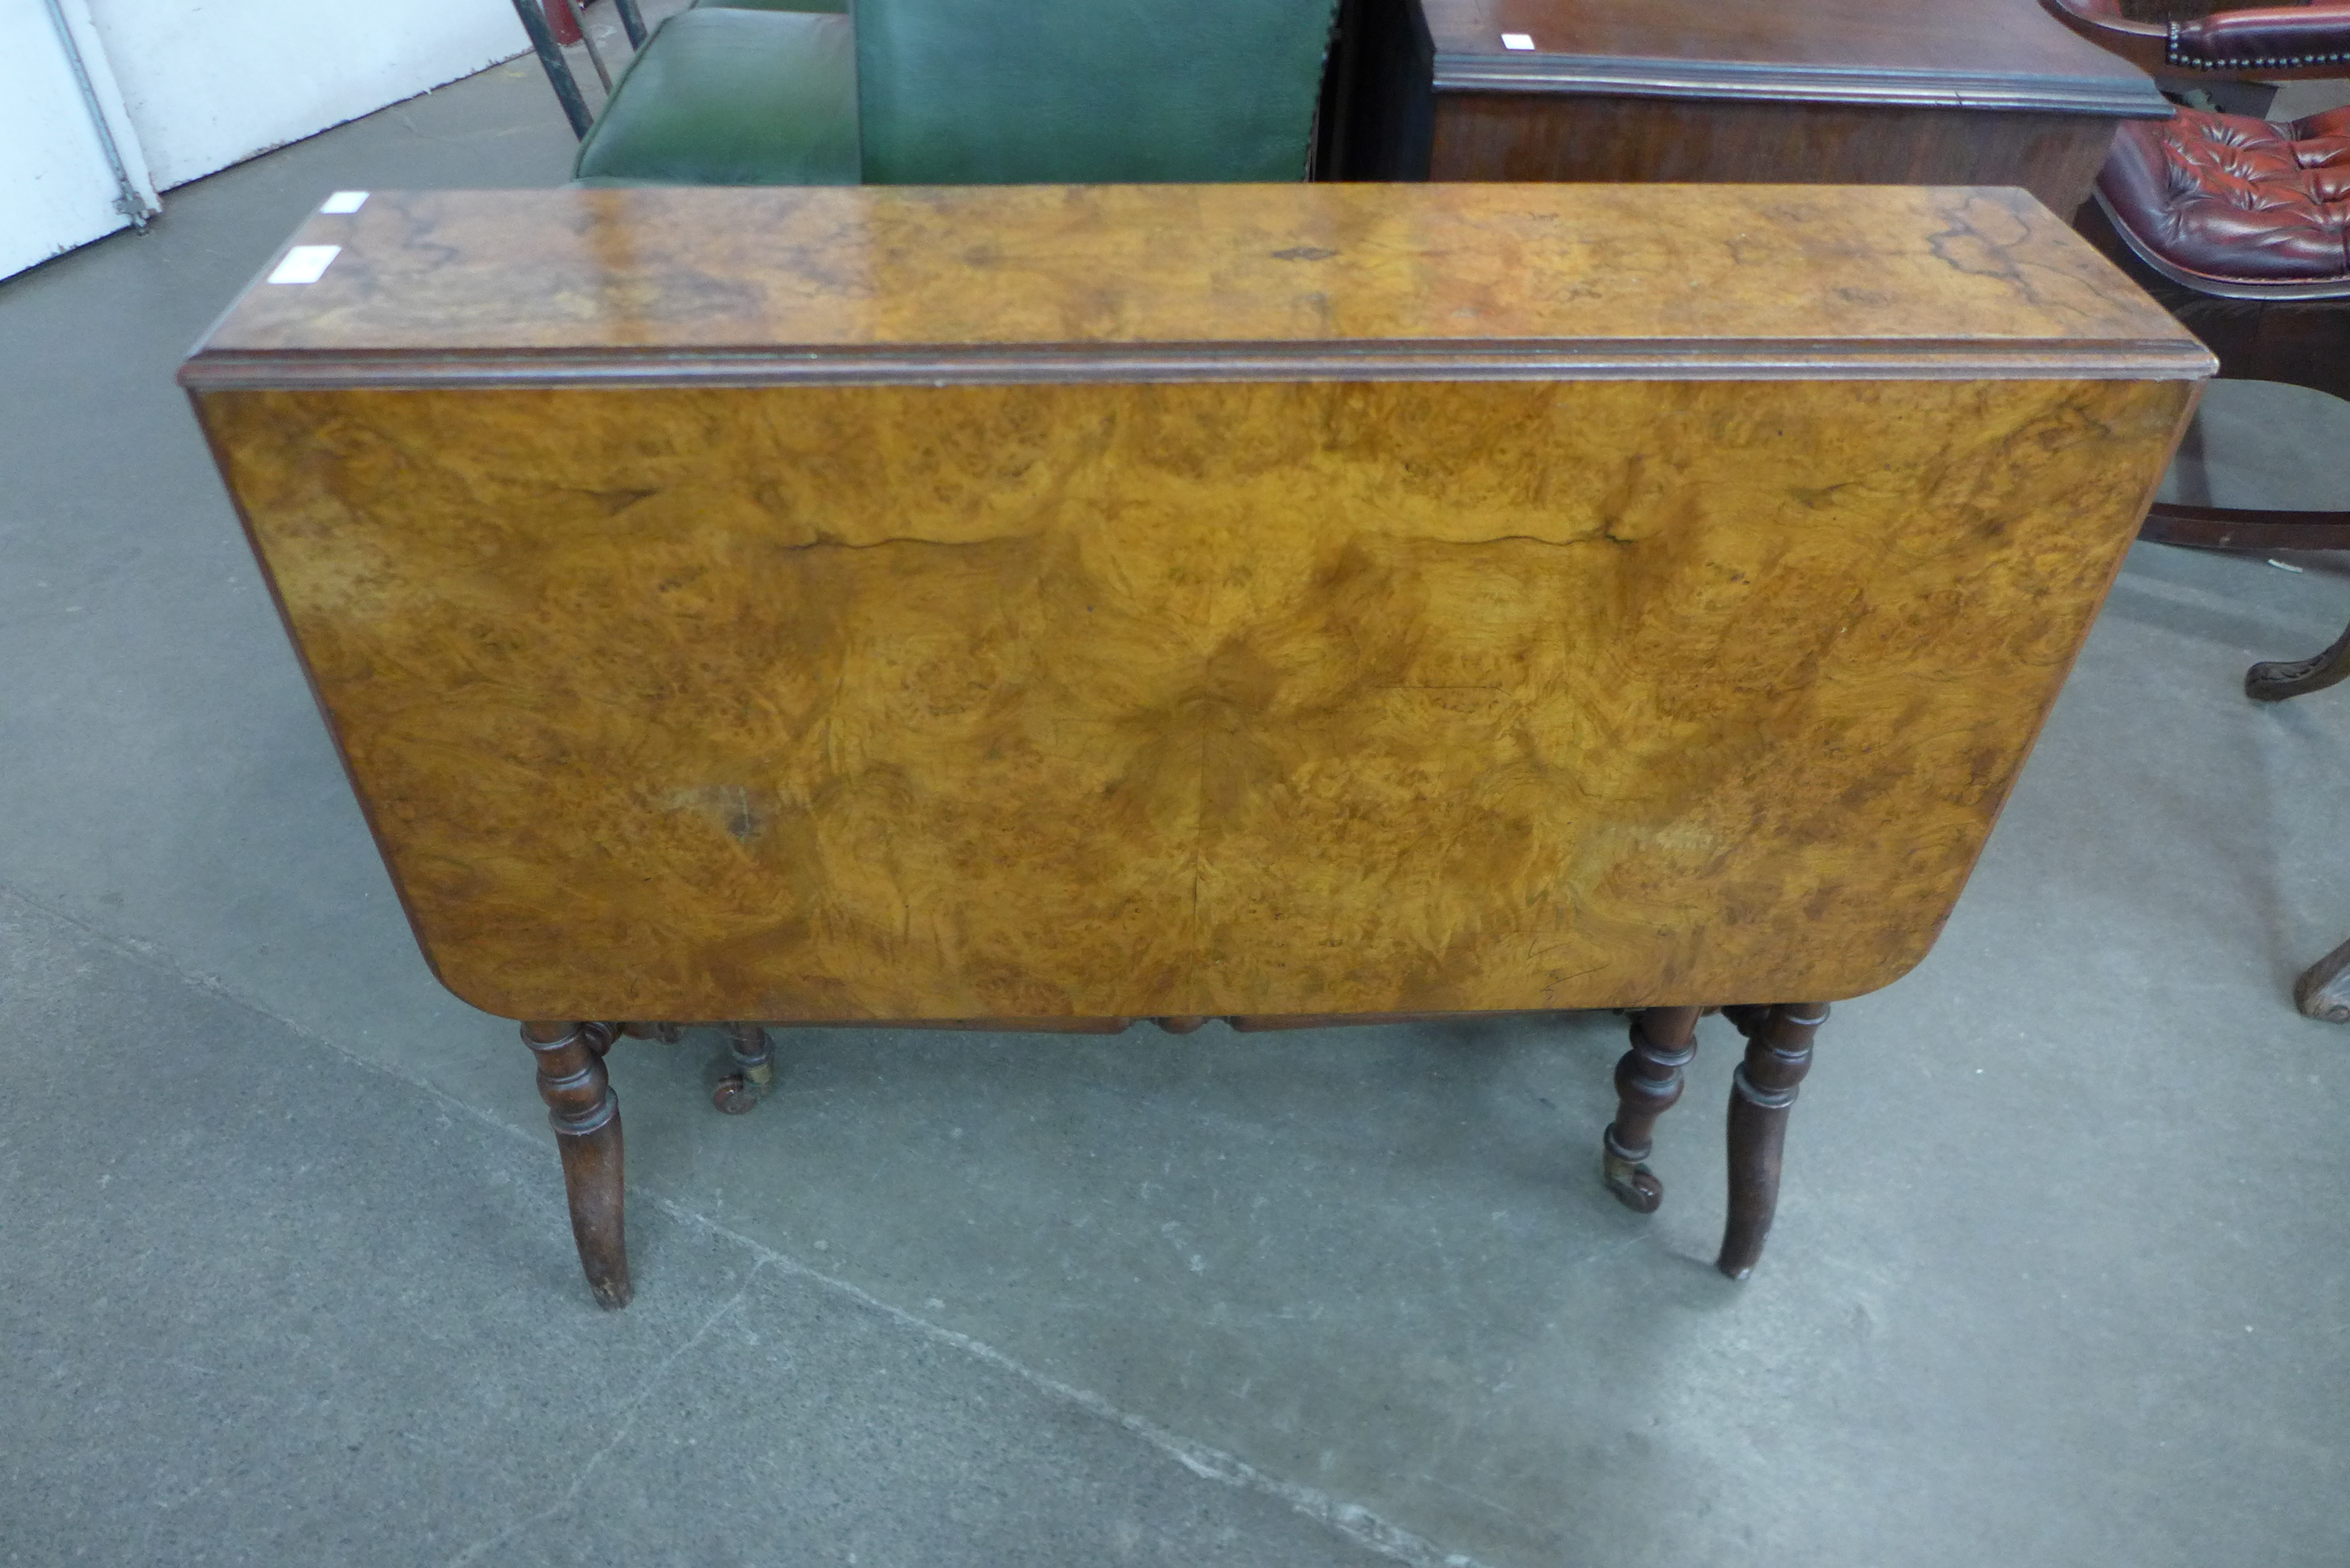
(2271, 43)
(2310, 40)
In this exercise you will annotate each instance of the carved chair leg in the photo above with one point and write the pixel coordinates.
(755, 1070)
(2323, 991)
(2279, 678)
(1648, 1082)
(1778, 1054)
(586, 1117)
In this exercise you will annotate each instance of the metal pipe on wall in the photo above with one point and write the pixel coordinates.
(131, 201)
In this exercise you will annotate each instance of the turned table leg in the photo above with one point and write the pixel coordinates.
(1778, 1054)
(1648, 1082)
(586, 1117)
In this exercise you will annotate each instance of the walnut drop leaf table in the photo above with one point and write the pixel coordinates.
(1048, 607)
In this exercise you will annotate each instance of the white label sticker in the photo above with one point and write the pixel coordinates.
(343, 202)
(1517, 40)
(305, 264)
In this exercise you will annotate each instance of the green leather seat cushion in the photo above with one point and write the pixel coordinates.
(732, 95)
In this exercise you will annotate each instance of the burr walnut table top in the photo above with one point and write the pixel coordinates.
(1055, 603)
(1111, 282)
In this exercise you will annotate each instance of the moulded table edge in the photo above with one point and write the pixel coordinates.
(1758, 360)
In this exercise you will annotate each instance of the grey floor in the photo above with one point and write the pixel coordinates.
(2062, 1273)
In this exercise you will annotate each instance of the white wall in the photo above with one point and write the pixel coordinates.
(56, 189)
(209, 83)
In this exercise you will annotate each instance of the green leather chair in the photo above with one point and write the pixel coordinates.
(958, 92)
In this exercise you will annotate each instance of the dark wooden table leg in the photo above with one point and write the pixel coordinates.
(586, 1117)
(1648, 1082)
(2323, 991)
(755, 1070)
(1778, 1054)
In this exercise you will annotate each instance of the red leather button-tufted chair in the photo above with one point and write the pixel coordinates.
(2241, 227)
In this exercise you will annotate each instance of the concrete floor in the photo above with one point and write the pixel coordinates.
(2061, 1274)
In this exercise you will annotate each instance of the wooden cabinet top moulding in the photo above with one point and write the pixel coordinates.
(1970, 53)
(1122, 283)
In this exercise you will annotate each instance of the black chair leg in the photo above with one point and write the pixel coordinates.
(2275, 680)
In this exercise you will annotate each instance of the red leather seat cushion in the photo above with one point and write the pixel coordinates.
(2229, 200)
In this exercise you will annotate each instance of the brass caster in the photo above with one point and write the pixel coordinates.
(735, 1096)
(1634, 1186)
(1628, 1177)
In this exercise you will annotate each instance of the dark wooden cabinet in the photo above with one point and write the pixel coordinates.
(1947, 92)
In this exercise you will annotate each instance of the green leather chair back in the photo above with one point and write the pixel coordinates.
(966, 92)
(977, 92)
(732, 95)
